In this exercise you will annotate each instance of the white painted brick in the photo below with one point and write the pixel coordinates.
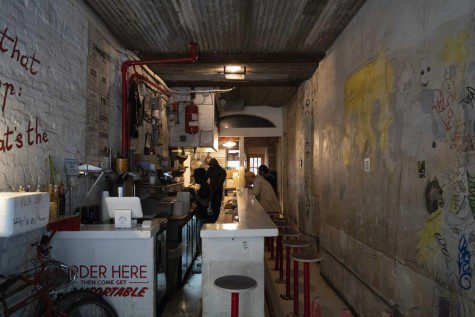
(57, 32)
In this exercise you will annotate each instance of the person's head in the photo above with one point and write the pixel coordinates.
(213, 163)
(199, 175)
(263, 170)
(249, 177)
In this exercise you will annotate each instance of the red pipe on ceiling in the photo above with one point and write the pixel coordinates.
(193, 56)
(149, 82)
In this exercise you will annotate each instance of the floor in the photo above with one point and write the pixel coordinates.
(186, 301)
(331, 303)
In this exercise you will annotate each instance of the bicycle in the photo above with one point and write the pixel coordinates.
(46, 282)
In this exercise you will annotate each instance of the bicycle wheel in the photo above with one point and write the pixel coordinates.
(86, 304)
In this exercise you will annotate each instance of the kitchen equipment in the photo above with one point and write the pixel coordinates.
(185, 198)
(153, 208)
(114, 204)
(178, 208)
(23, 212)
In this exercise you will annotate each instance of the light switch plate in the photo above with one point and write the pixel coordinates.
(367, 165)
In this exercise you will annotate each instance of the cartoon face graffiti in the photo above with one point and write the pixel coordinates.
(434, 198)
(425, 72)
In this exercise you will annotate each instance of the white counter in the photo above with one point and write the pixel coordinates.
(253, 222)
(235, 248)
(122, 265)
(108, 231)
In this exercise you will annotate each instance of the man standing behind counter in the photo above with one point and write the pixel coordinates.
(217, 176)
(263, 191)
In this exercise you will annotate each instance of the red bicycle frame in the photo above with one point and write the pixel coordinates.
(40, 293)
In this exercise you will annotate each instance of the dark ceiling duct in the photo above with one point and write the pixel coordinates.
(233, 104)
(244, 121)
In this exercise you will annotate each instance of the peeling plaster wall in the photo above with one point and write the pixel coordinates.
(397, 87)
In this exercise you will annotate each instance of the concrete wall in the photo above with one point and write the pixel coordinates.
(52, 95)
(395, 88)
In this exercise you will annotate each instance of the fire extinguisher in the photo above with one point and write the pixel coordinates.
(191, 119)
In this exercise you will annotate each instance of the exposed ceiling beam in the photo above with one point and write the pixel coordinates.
(198, 83)
(311, 58)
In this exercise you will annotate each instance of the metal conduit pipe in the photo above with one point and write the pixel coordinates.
(149, 82)
(193, 56)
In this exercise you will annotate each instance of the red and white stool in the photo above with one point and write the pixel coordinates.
(235, 284)
(306, 257)
(297, 245)
(287, 232)
(278, 248)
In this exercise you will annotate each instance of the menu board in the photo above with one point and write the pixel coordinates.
(98, 103)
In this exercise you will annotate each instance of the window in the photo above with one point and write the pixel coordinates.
(254, 163)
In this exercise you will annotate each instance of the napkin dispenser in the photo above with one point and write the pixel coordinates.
(123, 218)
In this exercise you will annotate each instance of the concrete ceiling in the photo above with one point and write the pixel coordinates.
(279, 41)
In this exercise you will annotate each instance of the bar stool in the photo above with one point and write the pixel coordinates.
(280, 225)
(235, 284)
(306, 257)
(285, 232)
(270, 240)
(297, 244)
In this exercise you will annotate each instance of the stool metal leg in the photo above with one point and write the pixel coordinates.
(280, 260)
(306, 289)
(234, 304)
(296, 288)
(277, 252)
(271, 248)
(287, 295)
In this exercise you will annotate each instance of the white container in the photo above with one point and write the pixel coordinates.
(178, 208)
(23, 212)
(104, 213)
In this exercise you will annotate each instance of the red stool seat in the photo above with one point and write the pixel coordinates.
(235, 284)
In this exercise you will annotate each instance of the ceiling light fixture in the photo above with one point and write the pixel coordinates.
(229, 144)
(235, 72)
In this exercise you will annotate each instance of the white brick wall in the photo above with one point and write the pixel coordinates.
(57, 32)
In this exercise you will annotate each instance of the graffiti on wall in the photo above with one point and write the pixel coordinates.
(367, 99)
(446, 240)
(14, 137)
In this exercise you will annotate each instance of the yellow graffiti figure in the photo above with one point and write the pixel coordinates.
(370, 84)
(425, 249)
(456, 49)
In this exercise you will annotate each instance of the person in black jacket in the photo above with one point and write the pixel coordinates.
(203, 210)
(217, 176)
